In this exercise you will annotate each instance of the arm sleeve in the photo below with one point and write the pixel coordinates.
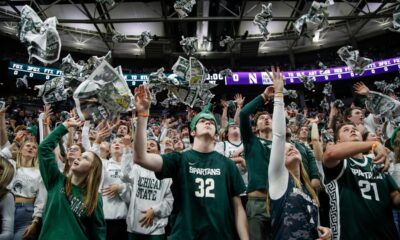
(47, 160)
(312, 163)
(164, 208)
(41, 127)
(95, 148)
(245, 124)
(7, 207)
(126, 167)
(6, 153)
(277, 173)
(85, 136)
(40, 201)
(124, 192)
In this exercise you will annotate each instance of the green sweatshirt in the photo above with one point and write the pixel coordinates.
(64, 217)
(308, 159)
(256, 150)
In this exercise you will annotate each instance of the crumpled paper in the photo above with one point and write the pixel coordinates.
(53, 90)
(144, 39)
(186, 85)
(76, 73)
(118, 37)
(324, 105)
(228, 42)
(352, 59)
(293, 105)
(315, 20)
(41, 38)
(21, 82)
(2, 105)
(308, 81)
(290, 93)
(323, 67)
(184, 7)
(110, 2)
(326, 136)
(396, 19)
(327, 89)
(189, 45)
(383, 106)
(387, 87)
(226, 72)
(338, 103)
(262, 19)
(103, 95)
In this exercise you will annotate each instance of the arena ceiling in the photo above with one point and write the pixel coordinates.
(88, 26)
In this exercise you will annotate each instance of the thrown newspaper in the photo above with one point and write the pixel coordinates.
(103, 95)
(41, 38)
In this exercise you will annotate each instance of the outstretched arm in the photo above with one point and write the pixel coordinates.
(152, 162)
(277, 172)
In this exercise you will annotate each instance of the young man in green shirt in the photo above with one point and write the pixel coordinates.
(206, 185)
(361, 196)
(257, 150)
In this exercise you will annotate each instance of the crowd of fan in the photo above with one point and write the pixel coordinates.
(125, 187)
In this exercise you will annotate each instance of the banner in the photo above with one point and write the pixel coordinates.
(238, 78)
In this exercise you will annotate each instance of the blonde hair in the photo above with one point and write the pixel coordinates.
(90, 185)
(34, 162)
(6, 176)
(303, 178)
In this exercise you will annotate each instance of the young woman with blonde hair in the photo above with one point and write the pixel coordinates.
(74, 209)
(7, 205)
(294, 202)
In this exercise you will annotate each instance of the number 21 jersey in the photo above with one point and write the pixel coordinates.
(360, 203)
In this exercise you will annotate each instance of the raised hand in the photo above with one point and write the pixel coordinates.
(277, 79)
(48, 112)
(142, 99)
(73, 122)
(224, 104)
(239, 99)
(361, 89)
(103, 132)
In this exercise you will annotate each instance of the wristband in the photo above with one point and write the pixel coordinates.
(35, 220)
(278, 94)
(143, 114)
(374, 145)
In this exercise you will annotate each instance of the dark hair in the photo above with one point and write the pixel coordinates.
(338, 127)
(154, 140)
(258, 114)
(348, 112)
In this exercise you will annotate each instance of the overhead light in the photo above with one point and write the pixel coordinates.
(80, 43)
(316, 37)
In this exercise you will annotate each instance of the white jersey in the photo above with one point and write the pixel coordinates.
(228, 149)
(116, 207)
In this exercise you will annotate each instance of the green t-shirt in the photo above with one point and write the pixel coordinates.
(65, 217)
(257, 151)
(360, 202)
(203, 187)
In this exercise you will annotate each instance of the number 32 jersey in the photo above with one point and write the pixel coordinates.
(360, 203)
(203, 187)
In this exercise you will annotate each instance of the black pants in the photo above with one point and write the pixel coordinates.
(116, 229)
